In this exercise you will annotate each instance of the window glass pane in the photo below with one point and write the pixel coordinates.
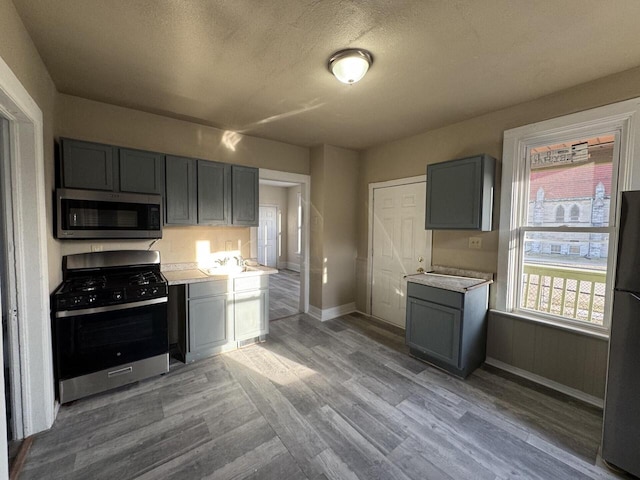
(564, 274)
(570, 183)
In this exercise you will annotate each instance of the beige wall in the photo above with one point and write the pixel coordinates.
(334, 176)
(100, 122)
(316, 230)
(277, 196)
(293, 257)
(177, 245)
(542, 350)
(20, 54)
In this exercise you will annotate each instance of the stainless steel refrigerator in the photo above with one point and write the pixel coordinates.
(621, 436)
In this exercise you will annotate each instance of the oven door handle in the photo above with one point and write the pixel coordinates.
(110, 308)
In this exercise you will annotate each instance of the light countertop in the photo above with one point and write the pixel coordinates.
(194, 275)
(448, 282)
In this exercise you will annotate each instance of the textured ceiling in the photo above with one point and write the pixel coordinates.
(259, 67)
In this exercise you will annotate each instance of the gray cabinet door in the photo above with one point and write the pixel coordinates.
(208, 323)
(180, 194)
(214, 196)
(434, 329)
(251, 314)
(244, 188)
(460, 194)
(87, 165)
(141, 172)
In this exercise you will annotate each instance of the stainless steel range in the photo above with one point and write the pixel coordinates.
(110, 321)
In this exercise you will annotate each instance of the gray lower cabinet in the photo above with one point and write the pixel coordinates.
(447, 329)
(87, 165)
(216, 318)
(209, 319)
(141, 171)
(244, 191)
(251, 306)
(180, 191)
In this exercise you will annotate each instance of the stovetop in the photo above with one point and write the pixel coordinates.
(107, 287)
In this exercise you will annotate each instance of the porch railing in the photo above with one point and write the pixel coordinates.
(568, 292)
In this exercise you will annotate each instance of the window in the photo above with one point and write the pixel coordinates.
(553, 267)
(575, 213)
(299, 250)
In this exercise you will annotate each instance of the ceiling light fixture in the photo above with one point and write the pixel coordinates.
(350, 65)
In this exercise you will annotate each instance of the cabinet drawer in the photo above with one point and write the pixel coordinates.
(435, 295)
(254, 282)
(204, 289)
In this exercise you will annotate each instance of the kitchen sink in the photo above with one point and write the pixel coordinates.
(228, 270)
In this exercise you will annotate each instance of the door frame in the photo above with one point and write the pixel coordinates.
(30, 335)
(372, 188)
(278, 226)
(305, 190)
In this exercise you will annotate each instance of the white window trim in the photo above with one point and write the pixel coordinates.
(624, 116)
(299, 224)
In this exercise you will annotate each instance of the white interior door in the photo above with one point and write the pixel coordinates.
(268, 236)
(399, 241)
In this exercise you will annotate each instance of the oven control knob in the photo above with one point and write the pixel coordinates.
(78, 300)
(117, 295)
(143, 292)
(92, 298)
(154, 290)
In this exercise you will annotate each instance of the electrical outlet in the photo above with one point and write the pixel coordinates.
(475, 242)
(96, 248)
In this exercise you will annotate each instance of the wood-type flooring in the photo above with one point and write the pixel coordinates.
(333, 400)
(284, 294)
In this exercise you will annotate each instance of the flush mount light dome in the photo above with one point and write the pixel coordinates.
(350, 65)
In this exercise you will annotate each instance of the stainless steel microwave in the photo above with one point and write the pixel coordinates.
(85, 214)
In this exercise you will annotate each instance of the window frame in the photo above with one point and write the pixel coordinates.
(621, 117)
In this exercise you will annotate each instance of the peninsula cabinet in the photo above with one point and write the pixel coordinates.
(460, 194)
(447, 328)
(95, 166)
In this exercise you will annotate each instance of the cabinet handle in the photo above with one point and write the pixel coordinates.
(121, 371)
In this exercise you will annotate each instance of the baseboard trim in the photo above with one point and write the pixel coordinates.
(572, 392)
(333, 312)
(292, 266)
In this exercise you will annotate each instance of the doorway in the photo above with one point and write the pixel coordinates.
(399, 244)
(284, 197)
(269, 236)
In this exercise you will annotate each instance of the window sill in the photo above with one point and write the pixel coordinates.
(600, 335)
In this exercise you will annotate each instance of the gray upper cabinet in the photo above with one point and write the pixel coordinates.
(87, 165)
(141, 172)
(460, 194)
(180, 191)
(214, 196)
(244, 188)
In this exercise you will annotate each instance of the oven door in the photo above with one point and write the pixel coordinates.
(94, 339)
